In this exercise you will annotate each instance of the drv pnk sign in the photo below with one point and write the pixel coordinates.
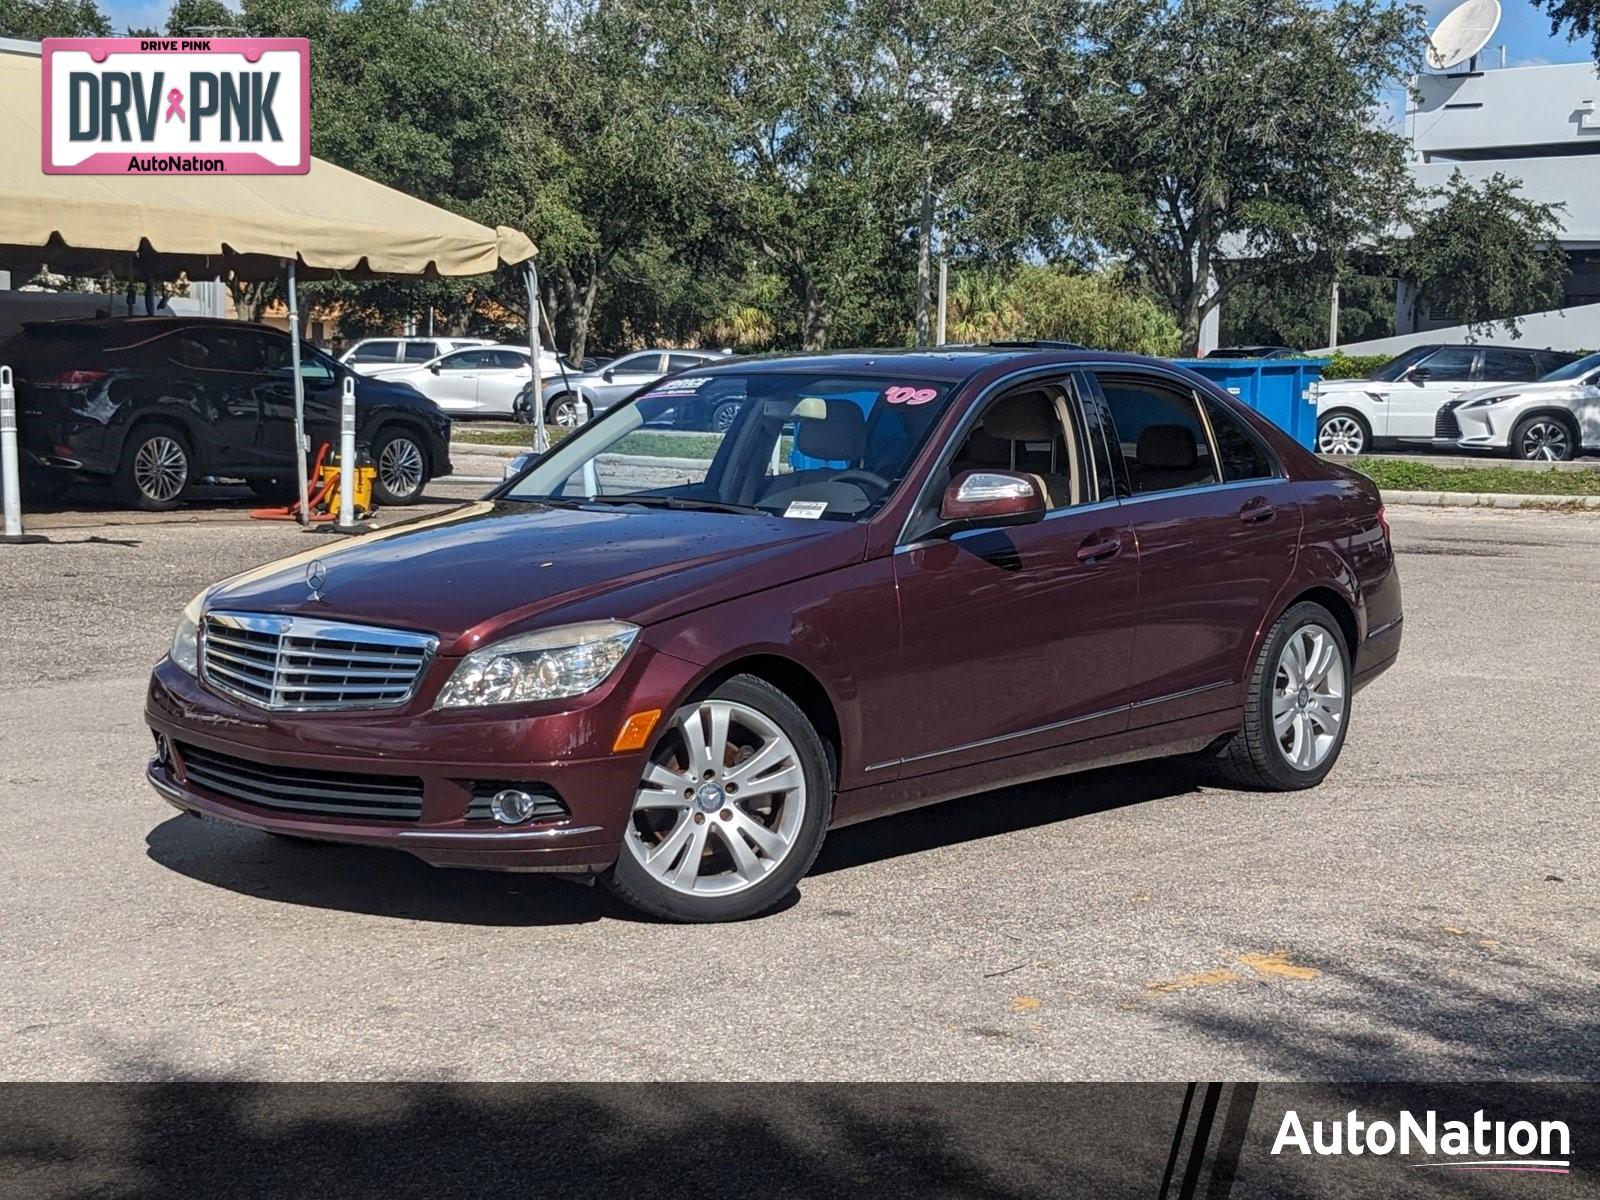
(177, 106)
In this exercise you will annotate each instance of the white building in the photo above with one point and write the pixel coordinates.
(1541, 127)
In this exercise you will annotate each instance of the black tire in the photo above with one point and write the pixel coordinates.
(1254, 757)
(723, 416)
(556, 413)
(1544, 437)
(394, 485)
(276, 491)
(157, 467)
(1345, 418)
(634, 885)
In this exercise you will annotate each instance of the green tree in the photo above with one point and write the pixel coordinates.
(35, 20)
(1293, 309)
(1102, 310)
(1575, 18)
(1485, 254)
(1231, 130)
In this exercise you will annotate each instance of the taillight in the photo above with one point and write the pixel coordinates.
(74, 378)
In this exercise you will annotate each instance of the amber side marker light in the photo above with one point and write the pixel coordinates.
(636, 730)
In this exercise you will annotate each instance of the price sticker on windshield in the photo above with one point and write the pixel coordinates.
(910, 395)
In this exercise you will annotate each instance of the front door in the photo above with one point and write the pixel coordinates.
(452, 382)
(1017, 639)
(1218, 528)
(1415, 399)
(627, 375)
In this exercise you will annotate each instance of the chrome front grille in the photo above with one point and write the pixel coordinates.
(301, 664)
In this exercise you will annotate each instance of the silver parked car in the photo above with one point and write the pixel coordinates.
(370, 355)
(573, 400)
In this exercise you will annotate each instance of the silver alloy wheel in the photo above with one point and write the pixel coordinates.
(569, 412)
(1341, 435)
(721, 802)
(161, 468)
(1544, 440)
(400, 466)
(1308, 697)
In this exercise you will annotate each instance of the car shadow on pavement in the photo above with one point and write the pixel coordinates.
(1007, 810)
(360, 879)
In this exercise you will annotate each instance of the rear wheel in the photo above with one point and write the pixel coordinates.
(155, 469)
(1543, 438)
(1298, 706)
(402, 467)
(723, 416)
(568, 411)
(731, 810)
(1343, 432)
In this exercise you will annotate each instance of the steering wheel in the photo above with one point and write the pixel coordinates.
(856, 473)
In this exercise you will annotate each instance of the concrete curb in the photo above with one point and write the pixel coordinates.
(1492, 500)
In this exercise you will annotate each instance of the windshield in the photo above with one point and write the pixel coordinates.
(1573, 370)
(806, 445)
(1396, 367)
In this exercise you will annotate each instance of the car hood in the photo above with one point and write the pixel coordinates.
(496, 567)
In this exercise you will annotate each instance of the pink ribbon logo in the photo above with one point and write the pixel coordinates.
(175, 105)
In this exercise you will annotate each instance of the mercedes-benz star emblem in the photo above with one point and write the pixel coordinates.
(316, 577)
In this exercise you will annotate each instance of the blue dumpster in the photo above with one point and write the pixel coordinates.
(1277, 388)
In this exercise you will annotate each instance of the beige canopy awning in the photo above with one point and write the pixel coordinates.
(330, 220)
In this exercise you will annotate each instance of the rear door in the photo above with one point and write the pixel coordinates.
(210, 376)
(500, 381)
(1218, 529)
(1414, 401)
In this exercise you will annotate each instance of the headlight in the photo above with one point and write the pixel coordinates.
(185, 651)
(547, 665)
(1485, 401)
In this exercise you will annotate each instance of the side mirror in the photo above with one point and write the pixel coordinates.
(992, 498)
(608, 375)
(434, 367)
(1419, 374)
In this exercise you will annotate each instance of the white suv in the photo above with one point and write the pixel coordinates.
(1403, 398)
(1553, 419)
(371, 355)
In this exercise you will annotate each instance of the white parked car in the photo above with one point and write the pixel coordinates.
(1401, 402)
(371, 355)
(481, 381)
(1553, 419)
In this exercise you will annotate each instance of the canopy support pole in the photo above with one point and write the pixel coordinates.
(299, 400)
(541, 440)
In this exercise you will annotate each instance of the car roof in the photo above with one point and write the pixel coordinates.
(948, 364)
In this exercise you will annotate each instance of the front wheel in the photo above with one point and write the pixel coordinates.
(1298, 706)
(402, 467)
(1543, 439)
(1343, 432)
(731, 808)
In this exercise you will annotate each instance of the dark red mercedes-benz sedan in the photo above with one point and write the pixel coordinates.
(675, 659)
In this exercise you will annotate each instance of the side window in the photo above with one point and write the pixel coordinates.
(682, 362)
(1159, 435)
(421, 352)
(465, 360)
(1450, 364)
(375, 352)
(507, 360)
(1507, 366)
(1240, 453)
(1029, 429)
(638, 364)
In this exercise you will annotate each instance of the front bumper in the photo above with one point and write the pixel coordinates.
(565, 753)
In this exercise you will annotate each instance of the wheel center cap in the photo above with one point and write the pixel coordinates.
(709, 797)
(1304, 698)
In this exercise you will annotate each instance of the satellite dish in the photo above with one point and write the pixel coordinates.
(1464, 31)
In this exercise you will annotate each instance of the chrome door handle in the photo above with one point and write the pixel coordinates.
(1257, 509)
(1099, 549)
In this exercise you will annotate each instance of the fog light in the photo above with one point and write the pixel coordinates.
(163, 750)
(512, 806)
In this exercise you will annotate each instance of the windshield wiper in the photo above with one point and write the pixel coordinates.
(683, 503)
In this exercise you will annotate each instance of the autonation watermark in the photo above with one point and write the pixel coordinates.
(1476, 1145)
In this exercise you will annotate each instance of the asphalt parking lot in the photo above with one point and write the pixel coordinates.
(1426, 914)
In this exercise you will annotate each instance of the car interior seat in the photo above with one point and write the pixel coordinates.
(1166, 458)
(1028, 425)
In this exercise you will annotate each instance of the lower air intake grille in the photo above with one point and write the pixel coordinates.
(293, 790)
(1445, 424)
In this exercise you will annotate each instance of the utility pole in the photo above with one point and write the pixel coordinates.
(1333, 317)
(944, 291)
